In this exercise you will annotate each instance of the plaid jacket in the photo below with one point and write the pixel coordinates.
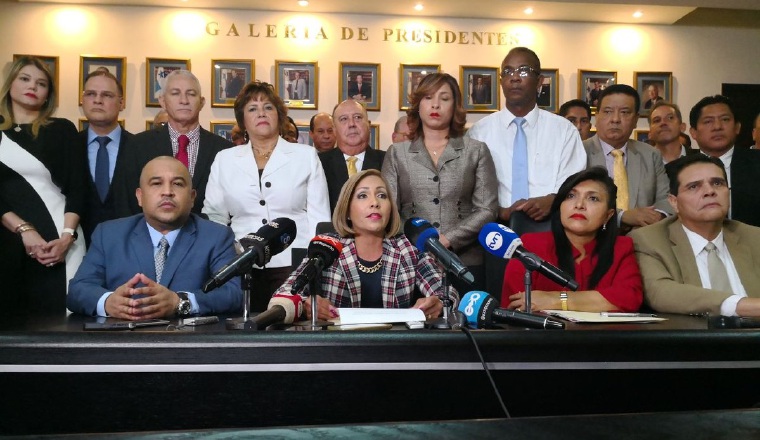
(404, 268)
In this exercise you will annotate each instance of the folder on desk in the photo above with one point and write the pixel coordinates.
(598, 318)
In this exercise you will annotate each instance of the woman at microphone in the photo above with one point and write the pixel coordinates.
(583, 242)
(441, 176)
(376, 266)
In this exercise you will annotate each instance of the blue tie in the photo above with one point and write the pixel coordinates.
(102, 167)
(520, 163)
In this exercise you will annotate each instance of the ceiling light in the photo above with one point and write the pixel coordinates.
(303, 3)
(528, 11)
(418, 7)
(638, 14)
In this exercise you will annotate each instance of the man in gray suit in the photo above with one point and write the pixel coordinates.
(642, 170)
(699, 261)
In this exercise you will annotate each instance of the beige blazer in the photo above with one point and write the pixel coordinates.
(669, 269)
(458, 197)
(647, 181)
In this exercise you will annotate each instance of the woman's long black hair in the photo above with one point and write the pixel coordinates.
(605, 237)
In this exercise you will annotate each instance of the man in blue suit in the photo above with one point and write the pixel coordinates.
(152, 265)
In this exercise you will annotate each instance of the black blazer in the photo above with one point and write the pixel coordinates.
(95, 211)
(745, 198)
(145, 146)
(336, 171)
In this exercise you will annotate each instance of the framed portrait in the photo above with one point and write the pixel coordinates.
(480, 88)
(653, 87)
(374, 136)
(228, 77)
(116, 66)
(591, 83)
(296, 83)
(361, 82)
(84, 124)
(641, 135)
(303, 134)
(52, 64)
(548, 93)
(149, 125)
(222, 128)
(410, 76)
(156, 71)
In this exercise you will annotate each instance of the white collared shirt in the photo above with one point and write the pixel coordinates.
(359, 159)
(698, 243)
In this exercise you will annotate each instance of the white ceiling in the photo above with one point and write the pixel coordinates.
(733, 13)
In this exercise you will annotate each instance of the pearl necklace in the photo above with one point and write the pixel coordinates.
(372, 269)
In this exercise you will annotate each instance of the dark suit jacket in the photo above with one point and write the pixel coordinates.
(745, 197)
(669, 269)
(121, 248)
(150, 144)
(336, 171)
(95, 211)
(366, 90)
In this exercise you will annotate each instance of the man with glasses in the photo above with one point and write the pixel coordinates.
(636, 167)
(534, 150)
(104, 139)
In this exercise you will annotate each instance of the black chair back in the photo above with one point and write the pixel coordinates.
(521, 223)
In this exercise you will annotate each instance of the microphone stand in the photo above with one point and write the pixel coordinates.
(443, 323)
(244, 323)
(528, 281)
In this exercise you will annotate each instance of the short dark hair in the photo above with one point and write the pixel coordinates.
(663, 103)
(623, 89)
(696, 111)
(429, 85)
(109, 75)
(565, 108)
(528, 52)
(605, 237)
(311, 121)
(674, 168)
(260, 89)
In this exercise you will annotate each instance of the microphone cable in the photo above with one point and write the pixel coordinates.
(485, 368)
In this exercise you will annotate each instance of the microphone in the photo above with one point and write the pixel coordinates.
(323, 250)
(425, 238)
(291, 304)
(481, 312)
(503, 242)
(269, 240)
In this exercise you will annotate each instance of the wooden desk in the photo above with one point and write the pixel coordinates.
(57, 378)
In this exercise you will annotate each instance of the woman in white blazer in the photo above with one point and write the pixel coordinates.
(266, 178)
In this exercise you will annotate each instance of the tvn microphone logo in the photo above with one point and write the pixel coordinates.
(494, 240)
(469, 309)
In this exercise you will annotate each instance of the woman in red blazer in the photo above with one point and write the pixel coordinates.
(584, 243)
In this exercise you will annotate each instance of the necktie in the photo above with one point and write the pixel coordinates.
(163, 249)
(102, 168)
(716, 270)
(351, 161)
(183, 141)
(620, 177)
(520, 163)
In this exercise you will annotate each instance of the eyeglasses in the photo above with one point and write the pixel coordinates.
(522, 71)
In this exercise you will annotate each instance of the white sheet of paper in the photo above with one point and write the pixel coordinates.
(596, 317)
(379, 316)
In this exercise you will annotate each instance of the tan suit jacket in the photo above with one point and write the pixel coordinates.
(647, 181)
(458, 197)
(669, 269)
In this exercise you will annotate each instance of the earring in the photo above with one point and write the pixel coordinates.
(604, 228)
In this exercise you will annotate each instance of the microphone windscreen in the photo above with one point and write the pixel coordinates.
(418, 230)
(275, 235)
(292, 304)
(499, 240)
(327, 247)
(477, 307)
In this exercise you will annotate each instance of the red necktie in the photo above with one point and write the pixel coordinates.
(183, 141)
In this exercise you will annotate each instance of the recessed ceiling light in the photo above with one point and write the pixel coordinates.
(303, 3)
(528, 11)
(418, 7)
(638, 14)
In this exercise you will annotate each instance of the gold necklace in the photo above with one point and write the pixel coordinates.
(372, 269)
(264, 155)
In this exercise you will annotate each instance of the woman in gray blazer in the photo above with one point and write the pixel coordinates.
(441, 176)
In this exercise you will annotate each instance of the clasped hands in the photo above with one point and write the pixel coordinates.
(157, 300)
(48, 253)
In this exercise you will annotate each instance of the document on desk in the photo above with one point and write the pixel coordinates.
(604, 317)
(379, 316)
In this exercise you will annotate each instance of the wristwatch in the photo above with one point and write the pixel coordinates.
(71, 231)
(563, 299)
(184, 305)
